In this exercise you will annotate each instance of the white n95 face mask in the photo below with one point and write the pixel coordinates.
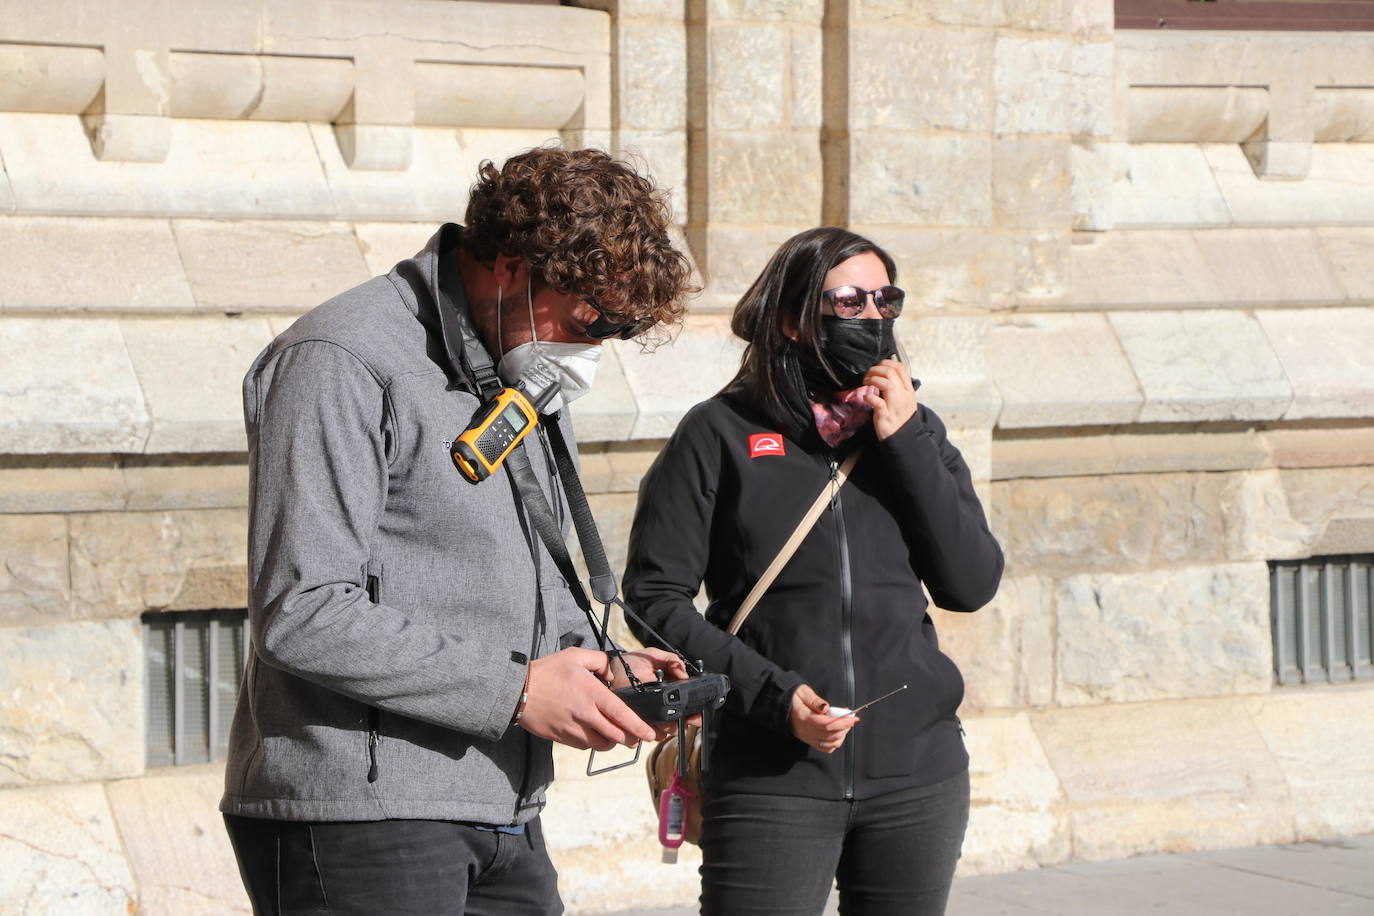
(575, 363)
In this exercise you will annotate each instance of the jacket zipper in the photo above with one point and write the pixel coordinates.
(846, 616)
(374, 715)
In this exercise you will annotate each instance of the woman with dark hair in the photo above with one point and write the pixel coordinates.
(798, 792)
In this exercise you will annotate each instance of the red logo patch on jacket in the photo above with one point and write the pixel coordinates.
(761, 444)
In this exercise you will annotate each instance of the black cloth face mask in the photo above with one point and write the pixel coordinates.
(852, 346)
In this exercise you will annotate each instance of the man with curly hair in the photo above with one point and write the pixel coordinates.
(415, 651)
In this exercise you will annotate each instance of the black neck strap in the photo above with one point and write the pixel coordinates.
(470, 359)
(466, 353)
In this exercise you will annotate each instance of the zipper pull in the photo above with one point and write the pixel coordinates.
(372, 740)
(834, 481)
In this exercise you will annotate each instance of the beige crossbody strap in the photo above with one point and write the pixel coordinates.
(827, 493)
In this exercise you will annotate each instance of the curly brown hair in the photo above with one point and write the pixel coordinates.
(587, 224)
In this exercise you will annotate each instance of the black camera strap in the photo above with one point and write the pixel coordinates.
(470, 360)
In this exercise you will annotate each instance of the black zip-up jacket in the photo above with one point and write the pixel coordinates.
(846, 615)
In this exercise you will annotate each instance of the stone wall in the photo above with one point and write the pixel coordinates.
(1140, 293)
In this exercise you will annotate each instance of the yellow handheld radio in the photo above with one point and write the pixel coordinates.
(499, 424)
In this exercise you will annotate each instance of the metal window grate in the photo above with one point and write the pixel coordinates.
(193, 661)
(1322, 622)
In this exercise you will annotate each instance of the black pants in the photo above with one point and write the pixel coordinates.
(892, 855)
(392, 868)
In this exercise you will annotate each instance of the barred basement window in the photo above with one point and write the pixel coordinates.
(193, 661)
(1323, 628)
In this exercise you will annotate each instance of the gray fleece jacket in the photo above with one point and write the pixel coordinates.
(394, 605)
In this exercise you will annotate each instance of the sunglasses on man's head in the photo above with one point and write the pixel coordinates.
(606, 325)
(849, 301)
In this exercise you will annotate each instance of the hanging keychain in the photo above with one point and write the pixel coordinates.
(672, 802)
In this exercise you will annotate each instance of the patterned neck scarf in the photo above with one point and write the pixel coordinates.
(844, 415)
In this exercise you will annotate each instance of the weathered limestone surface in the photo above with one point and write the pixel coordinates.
(1226, 268)
(653, 74)
(385, 244)
(1190, 632)
(112, 484)
(1041, 260)
(1034, 78)
(1320, 448)
(1168, 184)
(607, 412)
(947, 271)
(950, 89)
(1203, 365)
(1142, 452)
(807, 62)
(1019, 816)
(1126, 523)
(191, 370)
(69, 263)
(948, 355)
(745, 83)
(1134, 268)
(62, 853)
(67, 385)
(1332, 507)
(1093, 169)
(213, 169)
(262, 265)
(1165, 777)
(1259, 520)
(1093, 67)
(765, 177)
(433, 188)
(126, 563)
(928, 12)
(921, 178)
(73, 703)
(34, 585)
(1030, 182)
(1195, 114)
(6, 194)
(765, 10)
(1061, 370)
(1268, 266)
(1328, 355)
(669, 381)
(1338, 190)
(1006, 649)
(174, 836)
(1317, 739)
(1351, 255)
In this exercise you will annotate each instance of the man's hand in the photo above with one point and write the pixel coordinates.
(813, 724)
(570, 703)
(644, 663)
(895, 402)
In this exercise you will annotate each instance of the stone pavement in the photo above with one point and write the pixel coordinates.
(1334, 878)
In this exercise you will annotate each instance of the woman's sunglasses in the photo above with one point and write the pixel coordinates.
(849, 301)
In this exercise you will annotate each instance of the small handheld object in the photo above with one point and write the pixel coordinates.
(846, 711)
(674, 701)
(499, 424)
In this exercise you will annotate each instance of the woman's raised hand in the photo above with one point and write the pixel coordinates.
(895, 401)
(813, 724)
